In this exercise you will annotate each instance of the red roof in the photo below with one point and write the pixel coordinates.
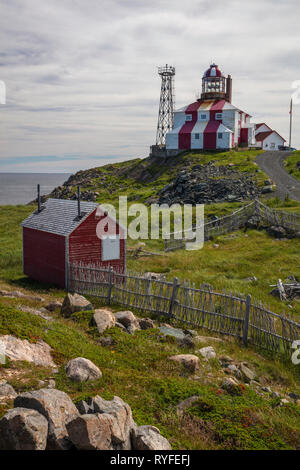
(261, 136)
(262, 124)
(213, 71)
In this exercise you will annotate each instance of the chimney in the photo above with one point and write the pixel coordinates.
(228, 96)
(78, 201)
(39, 198)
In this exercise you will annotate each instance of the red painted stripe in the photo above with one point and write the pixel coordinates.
(210, 135)
(218, 105)
(184, 135)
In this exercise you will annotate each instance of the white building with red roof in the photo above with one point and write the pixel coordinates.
(213, 122)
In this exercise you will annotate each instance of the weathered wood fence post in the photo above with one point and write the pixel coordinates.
(173, 295)
(110, 284)
(246, 320)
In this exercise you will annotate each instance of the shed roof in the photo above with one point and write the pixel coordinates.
(261, 136)
(59, 216)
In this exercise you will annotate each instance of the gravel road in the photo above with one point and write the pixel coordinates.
(272, 164)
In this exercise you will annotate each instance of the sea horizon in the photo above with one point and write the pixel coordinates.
(21, 187)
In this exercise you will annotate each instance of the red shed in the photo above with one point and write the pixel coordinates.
(61, 233)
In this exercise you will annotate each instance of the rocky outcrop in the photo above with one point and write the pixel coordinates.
(209, 183)
(21, 350)
(74, 303)
(23, 429)
(82, 370)
(57, 408)
(146, 323)
(103, 319)
(189, 361)
(47, 419)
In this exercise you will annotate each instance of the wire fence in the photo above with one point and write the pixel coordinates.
(202, 307)
(234, 221)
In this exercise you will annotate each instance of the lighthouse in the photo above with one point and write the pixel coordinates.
(212, 122)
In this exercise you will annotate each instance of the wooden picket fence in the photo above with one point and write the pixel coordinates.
(235, 221)
(202, 307)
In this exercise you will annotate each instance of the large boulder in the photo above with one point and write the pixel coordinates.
(91, 432)
(149, 438)
(122, 423)
(57, 408)
(128, 320)
(74, 303)
(103, 319)
(21, 350)
(23, 429)
(82, 370)
(189, 361)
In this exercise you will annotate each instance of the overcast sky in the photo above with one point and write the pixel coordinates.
(81, 75)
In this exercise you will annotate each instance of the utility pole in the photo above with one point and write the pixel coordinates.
(291, 119)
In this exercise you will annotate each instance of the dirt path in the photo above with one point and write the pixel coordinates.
(272, 164)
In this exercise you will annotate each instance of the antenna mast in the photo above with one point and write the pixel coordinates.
(166, 104)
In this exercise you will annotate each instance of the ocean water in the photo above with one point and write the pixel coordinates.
(21, 188)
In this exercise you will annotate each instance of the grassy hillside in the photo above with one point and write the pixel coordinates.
(141, 179)
(136, 367)
(291, 164)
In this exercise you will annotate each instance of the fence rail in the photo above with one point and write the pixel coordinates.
(224, 313)
(236, 220)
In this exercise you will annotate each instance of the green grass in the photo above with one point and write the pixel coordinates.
(291, 164)
(137, 369)
(140, 179)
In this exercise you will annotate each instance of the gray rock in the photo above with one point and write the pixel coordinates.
(7, 391)
(235, 371)
(23, 429)
(103, 319)
(82, 370)
(122, 327)
(276, 231)
(84, 408)
(186, 404)
(149, 438)
(21, 350)
(74, 303)
(128, 319)
(168, 330)
(107, 341)
(146, 323)
(230, 385)
(189, 361)
(91, 432)
(186, 342)
(247, 373)
(208, 352)
(294, 396)
(55, 305)
(122, 423)
(57, 408)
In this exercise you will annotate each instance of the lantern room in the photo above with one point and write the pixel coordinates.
(215, 85)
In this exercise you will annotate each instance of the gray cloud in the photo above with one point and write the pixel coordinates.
(81, 76)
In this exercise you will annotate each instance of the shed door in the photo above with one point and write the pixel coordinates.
(110, 248)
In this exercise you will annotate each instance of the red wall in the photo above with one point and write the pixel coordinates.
(85, 246)
(44, 256)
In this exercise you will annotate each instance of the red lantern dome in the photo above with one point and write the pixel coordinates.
(213, 71)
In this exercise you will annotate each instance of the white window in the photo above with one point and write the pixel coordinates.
(110, 248)
(219, 116)
(188, 117)
(203, 117)
(220, 135)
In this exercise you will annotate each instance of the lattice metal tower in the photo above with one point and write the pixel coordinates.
(166, 104)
